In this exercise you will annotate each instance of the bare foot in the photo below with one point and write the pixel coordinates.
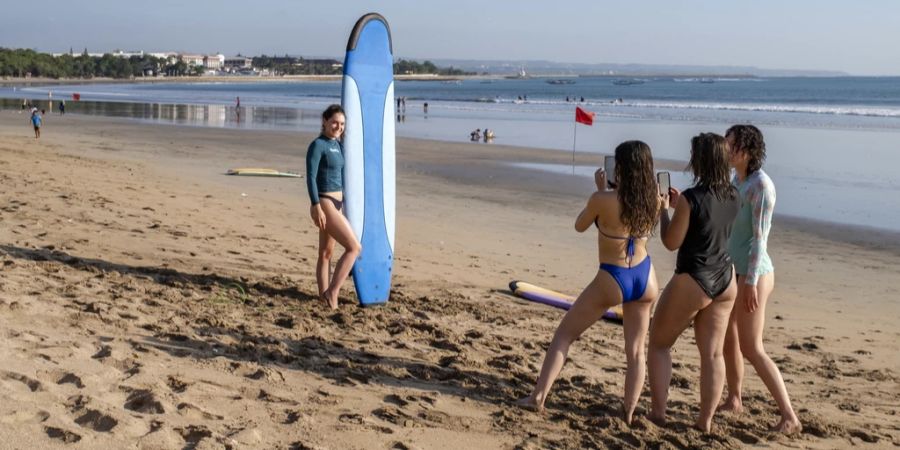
(332, 303)
(657, 420)
(703, 428)
(732, 406)
(530, 404)
(788, 426)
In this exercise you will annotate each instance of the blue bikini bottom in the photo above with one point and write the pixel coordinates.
(632, 280)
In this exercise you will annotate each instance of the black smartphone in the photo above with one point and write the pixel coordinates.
(609, 166)
(664, 181)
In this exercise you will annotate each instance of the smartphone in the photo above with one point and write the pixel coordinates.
(664, 181)
(609, 166)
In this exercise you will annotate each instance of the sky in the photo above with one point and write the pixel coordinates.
(857, 37)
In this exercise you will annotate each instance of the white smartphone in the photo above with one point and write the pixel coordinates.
(609, 166)
(664, 181)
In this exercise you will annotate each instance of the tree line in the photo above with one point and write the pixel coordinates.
(26, 62)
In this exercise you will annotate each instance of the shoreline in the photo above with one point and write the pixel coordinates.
(848, 233)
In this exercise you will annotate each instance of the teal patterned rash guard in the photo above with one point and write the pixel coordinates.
(750, 233)
(324, 167)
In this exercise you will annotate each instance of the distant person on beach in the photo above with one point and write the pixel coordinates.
(325, 183)
(488, 135)
(36, 121)
(703, 288)
(475, 136)
(237, 103)
(624, 218)
(425, 107)
(755, 277)
(62, 107)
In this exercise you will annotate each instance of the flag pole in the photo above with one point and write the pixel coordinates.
(574, 139)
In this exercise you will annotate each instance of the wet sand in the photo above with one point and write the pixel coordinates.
(148, 300)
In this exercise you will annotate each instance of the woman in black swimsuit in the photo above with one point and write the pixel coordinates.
(703, 287)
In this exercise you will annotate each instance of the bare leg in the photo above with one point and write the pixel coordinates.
(734, 362)
(323, 263)
(338, 228)
(709, 331)
(750, 329)
(677, 306)
(601, 294)
(637, 321)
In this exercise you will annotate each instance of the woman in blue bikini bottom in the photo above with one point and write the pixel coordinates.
(618, 281)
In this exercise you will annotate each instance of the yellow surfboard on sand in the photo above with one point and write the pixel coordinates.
(259, 172)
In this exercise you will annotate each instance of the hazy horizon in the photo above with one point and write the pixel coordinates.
(769, 35)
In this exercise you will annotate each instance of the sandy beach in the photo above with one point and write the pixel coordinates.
(147, 300)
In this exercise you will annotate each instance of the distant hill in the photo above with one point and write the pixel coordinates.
(540, 67)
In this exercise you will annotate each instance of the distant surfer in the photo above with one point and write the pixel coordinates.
(624, 219)
(325, 183)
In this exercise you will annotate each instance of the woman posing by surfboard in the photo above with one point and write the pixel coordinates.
(703, 289)
(755, 276)
(325, 183)
(626, 275)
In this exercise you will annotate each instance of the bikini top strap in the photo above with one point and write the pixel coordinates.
(629, 246)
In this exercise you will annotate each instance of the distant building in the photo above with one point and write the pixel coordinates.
(214, 62)
(170, 57)
(333, 63)
(122, 54)
(238, 62)
(191, 60)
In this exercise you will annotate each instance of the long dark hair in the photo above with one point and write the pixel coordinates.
(709, 164)
(638, 198)
(329, 112)
(748, 139)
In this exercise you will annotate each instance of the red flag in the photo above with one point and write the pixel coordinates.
(583, 116)
(76, 96)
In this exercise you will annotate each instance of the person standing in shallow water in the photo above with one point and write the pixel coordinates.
(624, 218)
(325, 184)
(755, 275)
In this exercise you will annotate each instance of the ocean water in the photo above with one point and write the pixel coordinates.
(833, 143)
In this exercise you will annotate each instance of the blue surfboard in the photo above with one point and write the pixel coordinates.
(369, 158)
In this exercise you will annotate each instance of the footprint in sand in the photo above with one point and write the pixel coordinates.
(24, 417)
(61, 377)
(144, 401)
(193, 434)
(96, 420)
(194, 412)
(63, 435)
(32, 384)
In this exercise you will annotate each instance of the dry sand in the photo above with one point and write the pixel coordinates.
(149, 301)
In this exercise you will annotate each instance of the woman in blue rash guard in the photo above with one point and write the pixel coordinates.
(325, 183)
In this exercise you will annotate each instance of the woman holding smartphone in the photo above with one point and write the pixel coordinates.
(755, 276)
(702, 290)
(325, 184)
(624, 219)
